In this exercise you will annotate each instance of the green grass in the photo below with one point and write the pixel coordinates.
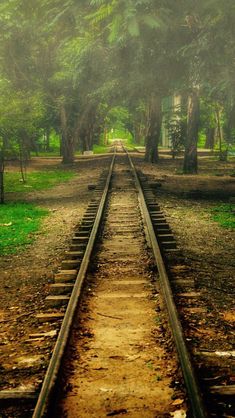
(130, 143)
(224, 215)
(19, 223)
(54, 153)
(37, 180)
(100, 149)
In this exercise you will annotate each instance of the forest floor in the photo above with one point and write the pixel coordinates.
(208, 249)
(187, 202)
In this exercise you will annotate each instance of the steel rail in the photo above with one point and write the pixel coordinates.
(49, 382)
(195, 398)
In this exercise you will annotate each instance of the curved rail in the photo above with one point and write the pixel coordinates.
(54, 364)
(197, 407)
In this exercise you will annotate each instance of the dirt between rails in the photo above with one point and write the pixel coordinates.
(208, 249)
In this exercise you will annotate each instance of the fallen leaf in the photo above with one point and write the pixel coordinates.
(178, 402)
(179, 414)
(9, 224)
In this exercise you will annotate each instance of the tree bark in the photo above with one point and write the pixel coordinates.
(154, 129)
(85, 128)
(67, 140)
(47, 139)
(190, 155)
(2, 166)
(67, 148)
(137, 132)
(85, 139)
(210, 138)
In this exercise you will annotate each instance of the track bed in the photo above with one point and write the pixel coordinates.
(119, 361)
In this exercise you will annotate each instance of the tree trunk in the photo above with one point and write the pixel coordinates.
(47, 139)
(210, 138)
(154, 129)
(229, 122)
(222, 154)
(67, 148)
(190, 155)
(137, 132)
(105, 135)
(84, 140)
(24, 154)
(67, 139)
(2, 199)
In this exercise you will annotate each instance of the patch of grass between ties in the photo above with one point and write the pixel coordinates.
(19, 223)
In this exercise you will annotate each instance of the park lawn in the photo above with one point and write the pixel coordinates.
(36, 180)
(225, 215)
(19, 222)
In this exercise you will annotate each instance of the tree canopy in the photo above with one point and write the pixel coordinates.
(65, 64)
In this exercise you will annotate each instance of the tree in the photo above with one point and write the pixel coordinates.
(84, 57)
(20, 118)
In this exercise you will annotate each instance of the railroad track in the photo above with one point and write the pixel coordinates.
(111, 331)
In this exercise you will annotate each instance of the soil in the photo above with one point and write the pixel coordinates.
(207, 248)
(203, 272)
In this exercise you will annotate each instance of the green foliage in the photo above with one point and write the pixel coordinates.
(201, 140)
(225, 215)
(83, 58)
(20, 115)
(117, 117)
(129, 141)
(41, 145)
(118, 133)
(19, 222)
(37, 180)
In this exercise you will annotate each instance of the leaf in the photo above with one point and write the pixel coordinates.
(133, 28)
(179, 414)
(9, 224)
(152, 22)
(115, 28)
(178, 402)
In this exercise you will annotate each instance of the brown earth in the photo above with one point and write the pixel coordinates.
(208, 250)
(187, 201)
